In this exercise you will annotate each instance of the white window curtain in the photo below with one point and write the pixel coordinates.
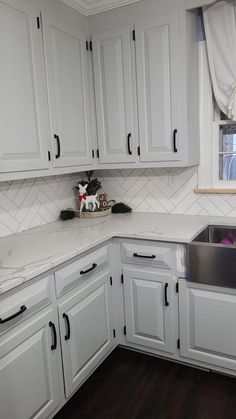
(220, 28)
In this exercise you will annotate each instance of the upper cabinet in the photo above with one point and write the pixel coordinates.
(114, 95)
(140, 83)
(68, 85)
(158, 88)
(24, 127)
(147, 78)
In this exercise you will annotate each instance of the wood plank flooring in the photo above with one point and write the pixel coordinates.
(129, 385)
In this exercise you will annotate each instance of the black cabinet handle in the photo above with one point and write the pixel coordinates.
(54, 332)
(128, 140)
(166, 297)
(66, 317)
(57, 138)
(136, 255)
(22, 309)
(89, 270)
(174, 140)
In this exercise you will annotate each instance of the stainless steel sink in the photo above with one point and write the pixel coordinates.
(211, 262)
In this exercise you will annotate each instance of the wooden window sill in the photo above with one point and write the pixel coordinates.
(215, 191)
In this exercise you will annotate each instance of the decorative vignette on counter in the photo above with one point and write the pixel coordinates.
(31, 202)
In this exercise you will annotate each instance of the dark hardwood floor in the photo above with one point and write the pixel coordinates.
(129, 385)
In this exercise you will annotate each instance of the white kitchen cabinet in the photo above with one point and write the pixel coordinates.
(86, 332)
(30, 369)
(157, 55)
(114, 95)
(207, 324)
(24, 124)
(69, 96)
(151, 309)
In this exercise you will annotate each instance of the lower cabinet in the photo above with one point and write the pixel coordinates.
(207, 324)
(30, 369)
(86, 330)
(151, 308)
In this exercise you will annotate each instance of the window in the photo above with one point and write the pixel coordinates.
(224, 151)
(217, 168)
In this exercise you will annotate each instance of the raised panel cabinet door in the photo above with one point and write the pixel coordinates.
(158, 88)
(86, 331)
(29, 370)
(24, 123)
(69, 96)
(114, 95)
(150, 309)
(207, 324)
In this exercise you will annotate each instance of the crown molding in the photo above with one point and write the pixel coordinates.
(90, 7)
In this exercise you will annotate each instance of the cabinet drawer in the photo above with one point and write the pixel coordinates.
(80, 271)
(24, 303)
(158, 255)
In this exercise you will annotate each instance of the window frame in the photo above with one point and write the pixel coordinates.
(208, 170)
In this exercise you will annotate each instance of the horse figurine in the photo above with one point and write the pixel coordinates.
(85, 200)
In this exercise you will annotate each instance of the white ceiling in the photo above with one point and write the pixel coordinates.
(89, 7)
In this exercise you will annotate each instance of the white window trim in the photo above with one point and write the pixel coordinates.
(208, 170)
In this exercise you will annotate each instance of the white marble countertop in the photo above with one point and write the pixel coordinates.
(25, 255)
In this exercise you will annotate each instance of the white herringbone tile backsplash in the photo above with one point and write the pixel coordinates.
(165, 191)
(28, 203)
(31, 202)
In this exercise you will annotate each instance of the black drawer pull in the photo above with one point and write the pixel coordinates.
(66, 317)
(57, 138)
(89, 270)
(166, 297)
(128, 140)
(136, 255)
(54, 344)
(22, 309)
(174, 140)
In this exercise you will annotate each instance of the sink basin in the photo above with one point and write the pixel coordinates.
(210, 261)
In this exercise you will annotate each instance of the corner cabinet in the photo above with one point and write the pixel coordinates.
(157, 55)
(24, 124)
(112, 60)
(69, 96)
(151, 309)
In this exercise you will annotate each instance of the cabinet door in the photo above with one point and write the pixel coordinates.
(158, 87)
(30, 370)
(67, 73)
(207, 324)
(86, 331)
(114, 95)
(151, 309)
(24, 125)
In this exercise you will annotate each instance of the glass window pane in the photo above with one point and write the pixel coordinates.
(227, 138)
(227, 167)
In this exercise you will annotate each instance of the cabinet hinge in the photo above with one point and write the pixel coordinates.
(38, 22)
(178, 343)
(93, 154)
(177, 287)
(87, 46)
(133, 35)
(139, 154)
(124, 330)
(111, 282)
(98, 153)
(114, 333)
(49, 156)
(122, 279)
(90, 45)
